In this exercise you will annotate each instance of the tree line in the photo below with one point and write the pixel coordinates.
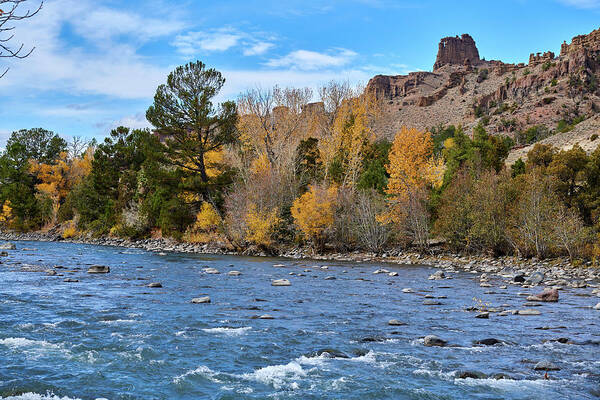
(272, 171)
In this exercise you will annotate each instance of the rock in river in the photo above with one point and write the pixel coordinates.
(437, 275)
(154, 285)
(528, 311)
(395, 322)
(431, 303)
(488, 342)
(597, 306)
(211, 271)
(98, 269)
(470, 374)
(535, 278)
(548, 295)
(546, 366)
(234, 273)
(432, 340)
(484, 315)
(8, 246)
(281, 282)
(201, 300)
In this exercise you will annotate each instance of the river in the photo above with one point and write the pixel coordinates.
(109, 336)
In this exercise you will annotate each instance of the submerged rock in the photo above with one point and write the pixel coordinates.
(201, 300)
(488, 342)
(281, 282)
(546, 366)
(432, 340)
(471, 374)
(98, 269)
(330, 353)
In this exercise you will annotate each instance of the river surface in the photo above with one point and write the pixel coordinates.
(111, 337)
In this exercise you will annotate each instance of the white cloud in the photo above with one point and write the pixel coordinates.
(192, 43)
(104, 65)
(312, 60)
(137, 121)
(258, 48)
(586, 4)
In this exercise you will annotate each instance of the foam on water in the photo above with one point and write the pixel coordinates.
(228, 331)
(202, 371)
(279, 376)
(17, 342)
(37, 396)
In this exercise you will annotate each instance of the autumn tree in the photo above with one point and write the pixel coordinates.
(184, 116)
(13, 11)
(271, 122)
(313, 213)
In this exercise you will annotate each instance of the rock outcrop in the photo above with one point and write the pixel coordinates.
(457, 51)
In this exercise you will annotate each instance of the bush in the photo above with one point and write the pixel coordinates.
(593, 137)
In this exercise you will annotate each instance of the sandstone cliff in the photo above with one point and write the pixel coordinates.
(464, 89)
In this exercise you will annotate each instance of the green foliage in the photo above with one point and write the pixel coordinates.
(554, 82)
(307, 164)
(533, 134)
(440, 134)
(374, 174)
(518, 168)
(547, 65)
(184, 114)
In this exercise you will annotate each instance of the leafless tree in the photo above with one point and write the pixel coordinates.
(77, 146)
(10, 12)
(371, 233)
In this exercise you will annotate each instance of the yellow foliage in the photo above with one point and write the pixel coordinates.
(260, 225)
(449, 143)
(260, 165)
(313, 212)
(411, 163)
(207, 219)
(6, 214)
(70, 231)
(412, 167)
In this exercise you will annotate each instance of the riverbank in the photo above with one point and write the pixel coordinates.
(555, 272)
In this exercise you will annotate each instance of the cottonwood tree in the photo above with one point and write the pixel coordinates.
(12, 11)
(191, 126)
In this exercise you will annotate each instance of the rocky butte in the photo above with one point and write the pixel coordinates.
(465, 89)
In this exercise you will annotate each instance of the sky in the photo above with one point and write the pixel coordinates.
(97, 63)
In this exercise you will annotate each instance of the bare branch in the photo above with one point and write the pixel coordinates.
(9, 13)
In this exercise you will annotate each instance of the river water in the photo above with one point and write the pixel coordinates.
(110, 337)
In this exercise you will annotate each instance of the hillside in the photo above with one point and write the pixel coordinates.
(549, 95)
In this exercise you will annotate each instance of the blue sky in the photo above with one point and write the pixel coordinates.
(97, 62)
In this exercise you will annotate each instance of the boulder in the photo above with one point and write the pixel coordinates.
(431, 303)
(154, 285)
(408, 290)
(548, 295)
(519, 278)
(98, 269)
(8, 246)
(546, 366)
(432, 340)
(535, 278)
(201, 300)
(266, 316)
(393, 273)
(330, 353)
(234, 273)
(213, 271)
(279, 265)
(50, 272)
(484, 315)
(70, 280)
(470, 374)
(3, 254)
(281, 282)
(437, 275)
(597, 306)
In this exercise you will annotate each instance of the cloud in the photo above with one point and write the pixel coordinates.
(136, 121)
(585, 4)
(99, 62)
(192, 43)
(312, 60)
(258, 48)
